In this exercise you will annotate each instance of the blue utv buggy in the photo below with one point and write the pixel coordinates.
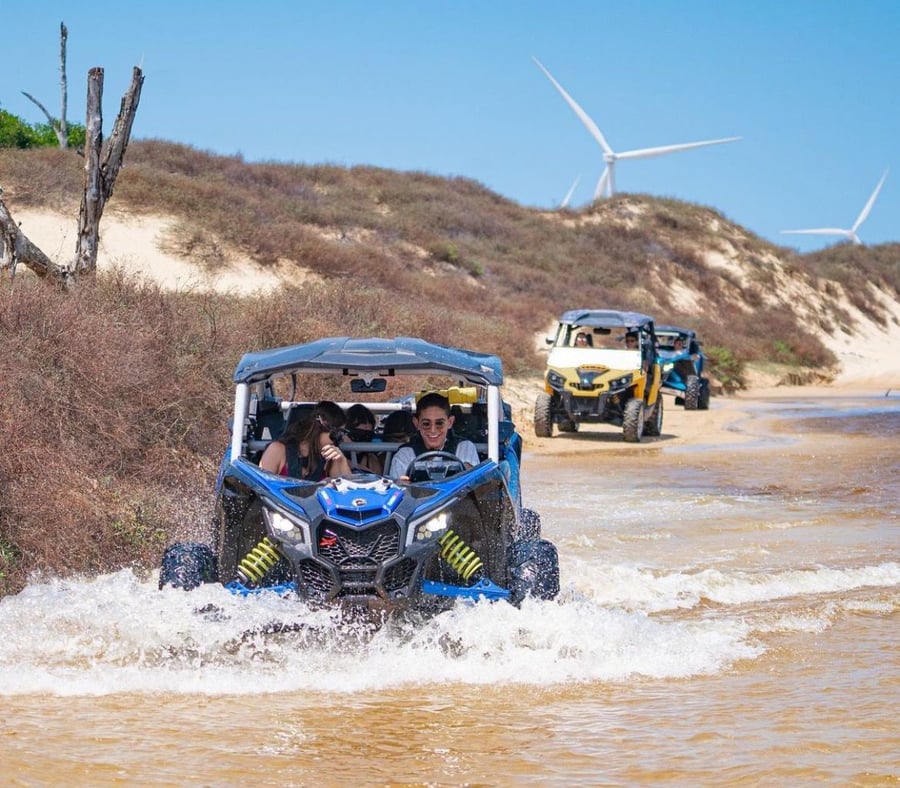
(366, 541)
(681, 360)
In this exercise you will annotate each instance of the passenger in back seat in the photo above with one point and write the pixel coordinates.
(361, 429)
(471, 426)
(307, 449)
(398, 427)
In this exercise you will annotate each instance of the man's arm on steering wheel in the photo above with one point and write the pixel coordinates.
(467, 452)
(400, 462)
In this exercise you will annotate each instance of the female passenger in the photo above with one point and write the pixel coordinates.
(307, 449)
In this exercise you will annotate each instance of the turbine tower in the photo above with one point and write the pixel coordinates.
(607, 182)
(850, 234)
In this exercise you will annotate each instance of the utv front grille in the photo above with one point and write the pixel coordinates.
(400, 575)
(339, 544)
(316, 579)
(357, 554)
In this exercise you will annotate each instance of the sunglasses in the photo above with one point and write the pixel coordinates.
(335, 433)
(360, 433)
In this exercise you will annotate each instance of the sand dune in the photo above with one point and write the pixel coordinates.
(869, 357)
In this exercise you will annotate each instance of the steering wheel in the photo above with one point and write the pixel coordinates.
(432, 466)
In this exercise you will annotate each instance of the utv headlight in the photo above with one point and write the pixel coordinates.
(284, 528)
(431, 527)
(556, 380)
(621, 382)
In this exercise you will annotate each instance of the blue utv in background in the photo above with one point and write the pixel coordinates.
(681, 360)
(365, 540)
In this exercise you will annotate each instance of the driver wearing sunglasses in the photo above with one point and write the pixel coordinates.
(433, 422)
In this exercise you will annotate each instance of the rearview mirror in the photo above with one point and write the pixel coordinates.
(374, 386)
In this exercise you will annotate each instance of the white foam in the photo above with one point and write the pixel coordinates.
(119, 634)
(643, 588)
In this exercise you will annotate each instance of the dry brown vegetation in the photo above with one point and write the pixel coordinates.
(116, 395)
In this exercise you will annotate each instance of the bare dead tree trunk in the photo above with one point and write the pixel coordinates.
(63, 132)
(101, 169)
(100, 173)
(60, 127)
(92, 196)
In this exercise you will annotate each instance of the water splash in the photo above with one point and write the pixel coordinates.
(116, 633)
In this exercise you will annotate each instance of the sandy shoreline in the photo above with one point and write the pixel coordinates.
(731, 421)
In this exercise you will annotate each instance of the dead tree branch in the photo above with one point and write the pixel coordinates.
(19, 248)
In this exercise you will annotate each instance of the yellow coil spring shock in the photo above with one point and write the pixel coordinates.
(257, 563)
(459, 555)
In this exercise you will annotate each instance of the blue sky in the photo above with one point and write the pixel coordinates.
(450, 88)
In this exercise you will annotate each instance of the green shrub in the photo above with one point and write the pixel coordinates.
(728, 370)
(16, 133)
(783, 353)
(9, 557)
(475, 268)
(445, 252)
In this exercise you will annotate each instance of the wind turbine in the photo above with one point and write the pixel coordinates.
(568, 197)
(607, 182)
(850, 234)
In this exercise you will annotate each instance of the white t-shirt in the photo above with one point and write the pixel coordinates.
(465, 450)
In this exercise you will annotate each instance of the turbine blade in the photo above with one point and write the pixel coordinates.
(865, 211)
(821, 231)
(565, 202)
(582, 115)
(602, 184)
(646, 153)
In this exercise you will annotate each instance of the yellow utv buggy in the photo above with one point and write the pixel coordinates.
(602, 369)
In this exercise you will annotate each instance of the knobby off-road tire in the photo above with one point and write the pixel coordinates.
(691, 392)
(187, 565)
(633, 420)
(543, 416)
(533, 570)
(703, 400)
(654, 426)
(529, 526)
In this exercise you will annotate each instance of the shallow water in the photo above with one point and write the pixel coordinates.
(729, 615)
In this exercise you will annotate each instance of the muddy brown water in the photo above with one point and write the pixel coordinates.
(729, 616)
